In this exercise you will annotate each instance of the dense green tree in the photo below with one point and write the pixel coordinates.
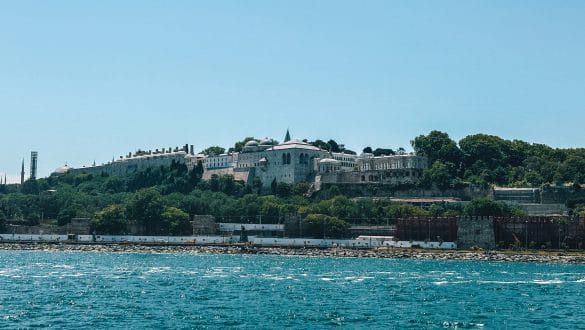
(283, 189)
(2, 221)
(66, 214)
(176, 221)
(488, 207)
(333, 146)
(334, 191)
(300, 188)
(21, 207)
(110, 220)
(213, 151)
(274, 186)
(115, 184)
(250, 206)
(214, 182)
(383, 152)
(490, 150)
(438, 174)
(256, 185)
(270, 210)
(324, 226)
(30, 187)
(320, 144)
(146, 207)
(573, 169)
(367, 211)
(342, 207)
(402, 210)
(195, 174)
(240, 145)
(438, 146)
(330, 145)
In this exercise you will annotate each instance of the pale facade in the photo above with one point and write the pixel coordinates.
(218, 161)
(138, 161)
(395, 169)
(369, 162)
(288, 162)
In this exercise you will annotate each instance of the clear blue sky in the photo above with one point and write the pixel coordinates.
(85, 80)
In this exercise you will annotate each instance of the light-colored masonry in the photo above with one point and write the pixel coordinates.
(264, 161)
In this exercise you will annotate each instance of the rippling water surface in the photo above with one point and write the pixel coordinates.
(99, 290)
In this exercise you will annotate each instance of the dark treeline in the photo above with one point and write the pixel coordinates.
(488, 159)
(162, 199)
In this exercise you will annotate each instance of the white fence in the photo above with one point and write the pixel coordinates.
(217, 240)
(223, 226)
(421, 244)
(32, 238)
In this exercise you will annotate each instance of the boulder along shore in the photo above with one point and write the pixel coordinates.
(391, 253)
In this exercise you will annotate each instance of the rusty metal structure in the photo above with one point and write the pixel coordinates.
(539, 232)
(426, 229)
(545, 232)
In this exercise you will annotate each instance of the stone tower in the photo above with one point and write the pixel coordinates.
(22, 173)
(33, 164)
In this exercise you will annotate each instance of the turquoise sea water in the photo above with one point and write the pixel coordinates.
(113, 290)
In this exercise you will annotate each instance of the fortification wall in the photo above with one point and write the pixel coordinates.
(562, 194)
(475, 232)
(400, 191)
(204, 225)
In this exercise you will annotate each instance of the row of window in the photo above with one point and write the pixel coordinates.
(373, 177)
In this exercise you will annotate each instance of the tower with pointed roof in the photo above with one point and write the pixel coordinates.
(287, 136)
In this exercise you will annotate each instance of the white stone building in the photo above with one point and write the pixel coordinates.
(218, 161)
(395, 169)
(290, 162)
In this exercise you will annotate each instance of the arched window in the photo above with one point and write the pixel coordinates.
(301, 159)
(288, 158)
(283, 159)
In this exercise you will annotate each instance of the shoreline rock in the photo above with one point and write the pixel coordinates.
(386, 253)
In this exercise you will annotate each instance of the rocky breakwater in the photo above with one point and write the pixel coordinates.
(390, 253)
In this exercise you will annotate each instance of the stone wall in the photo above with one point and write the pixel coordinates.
(560, 194)
(475, 232)
(426, 229)
(78, 226)
(390, 176)
(544, 209)
(400, 191)
(204, 225)
(126, 166)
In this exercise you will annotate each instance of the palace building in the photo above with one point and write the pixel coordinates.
(267, 161)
